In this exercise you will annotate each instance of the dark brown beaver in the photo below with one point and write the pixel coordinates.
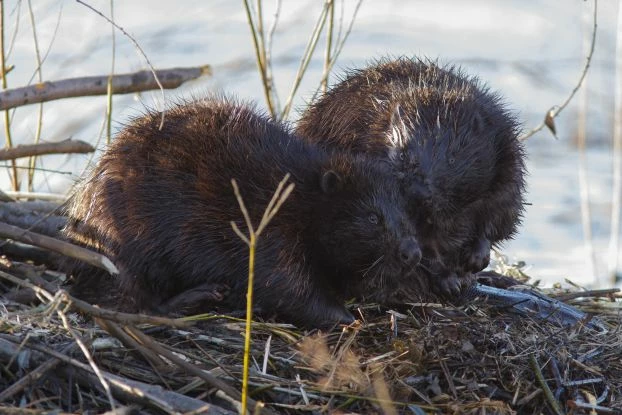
(159, 204)
(452, 143)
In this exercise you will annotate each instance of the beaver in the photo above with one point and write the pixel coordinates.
(453, 146)
(160, 204)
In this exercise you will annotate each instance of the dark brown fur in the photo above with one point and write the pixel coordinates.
(160, 202)
(452, 143)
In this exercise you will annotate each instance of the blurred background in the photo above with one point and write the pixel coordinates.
(533, 53)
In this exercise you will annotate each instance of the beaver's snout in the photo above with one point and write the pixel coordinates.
(409, 252)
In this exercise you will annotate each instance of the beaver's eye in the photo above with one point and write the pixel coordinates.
(429, 220)
(373, 218)
(402, 155)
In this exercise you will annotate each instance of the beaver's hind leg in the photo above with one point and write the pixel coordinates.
(199, 299)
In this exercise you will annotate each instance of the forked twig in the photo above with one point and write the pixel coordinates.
(554, 111)
(280, 195)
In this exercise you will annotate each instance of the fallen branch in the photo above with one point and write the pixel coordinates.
(54, 197)
(553, 112)
(60, 147)
(30, 217)
(32, 377)
(97, 85)
(122, 388)
(62, 247)
(95, 312)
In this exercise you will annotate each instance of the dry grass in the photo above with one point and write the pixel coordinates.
(420, 359)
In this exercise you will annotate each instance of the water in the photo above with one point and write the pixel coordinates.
(531, 52)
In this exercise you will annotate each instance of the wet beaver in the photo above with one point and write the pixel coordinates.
(160, 202)
(452, 143)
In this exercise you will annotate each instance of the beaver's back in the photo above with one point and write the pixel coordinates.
(451, 141)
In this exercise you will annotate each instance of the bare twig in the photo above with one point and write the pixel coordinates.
(124, 318)
(584, 184)
(97, 312)
(533, 362)
(260, 56)
(554, 111)
(109, 88)
(55, 245)
(279, 197)
(39, 72)
(87, 354)
(329, 44)
(7, 117)
(47, 222)
(268, 53)
(131, 343)
(33, 376)
(36, 195)
(306, 58)
(137, 46)
(341, 41)
(60, 147)
(96, 85)
(135, 391)
(190, 368)
(616, 187)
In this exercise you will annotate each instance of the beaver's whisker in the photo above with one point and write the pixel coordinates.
(372, 265)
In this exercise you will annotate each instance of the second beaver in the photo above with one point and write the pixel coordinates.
(160, 204)
(453, 145)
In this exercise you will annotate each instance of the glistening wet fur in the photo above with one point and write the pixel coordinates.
(452, 144)
(159, 204)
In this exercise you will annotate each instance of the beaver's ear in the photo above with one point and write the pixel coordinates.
(331, 182)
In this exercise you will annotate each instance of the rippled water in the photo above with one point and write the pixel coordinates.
(531, 52)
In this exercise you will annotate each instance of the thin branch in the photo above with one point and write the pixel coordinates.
(96, 85)
(275, 203)
(247, 218)
(616, 187)
(207, 377)
(7, 116)
(268, 55)
(304, 62)
(109, 87)
(15, 30)
(62, 147)
(339, 47)
(259, 57)
(56, 245)
(35, 195)
(584, 184)
(329, 45)
(89, 357)
(29, 216)
(30, 378)
(554, 111)
(140, 50)
(550, 398)
(132, 390)
(39, 73)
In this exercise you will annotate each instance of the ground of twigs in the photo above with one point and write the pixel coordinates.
(420, 359)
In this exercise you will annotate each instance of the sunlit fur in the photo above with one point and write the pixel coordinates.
(160, 202)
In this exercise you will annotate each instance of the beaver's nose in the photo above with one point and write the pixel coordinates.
(410, 253)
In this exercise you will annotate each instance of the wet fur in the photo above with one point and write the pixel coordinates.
(159, 203)
(452, 144)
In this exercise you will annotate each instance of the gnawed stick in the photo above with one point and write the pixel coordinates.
(37, 216)
(56, 245)
(122, 388)
(97, 85)
(61, 147)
